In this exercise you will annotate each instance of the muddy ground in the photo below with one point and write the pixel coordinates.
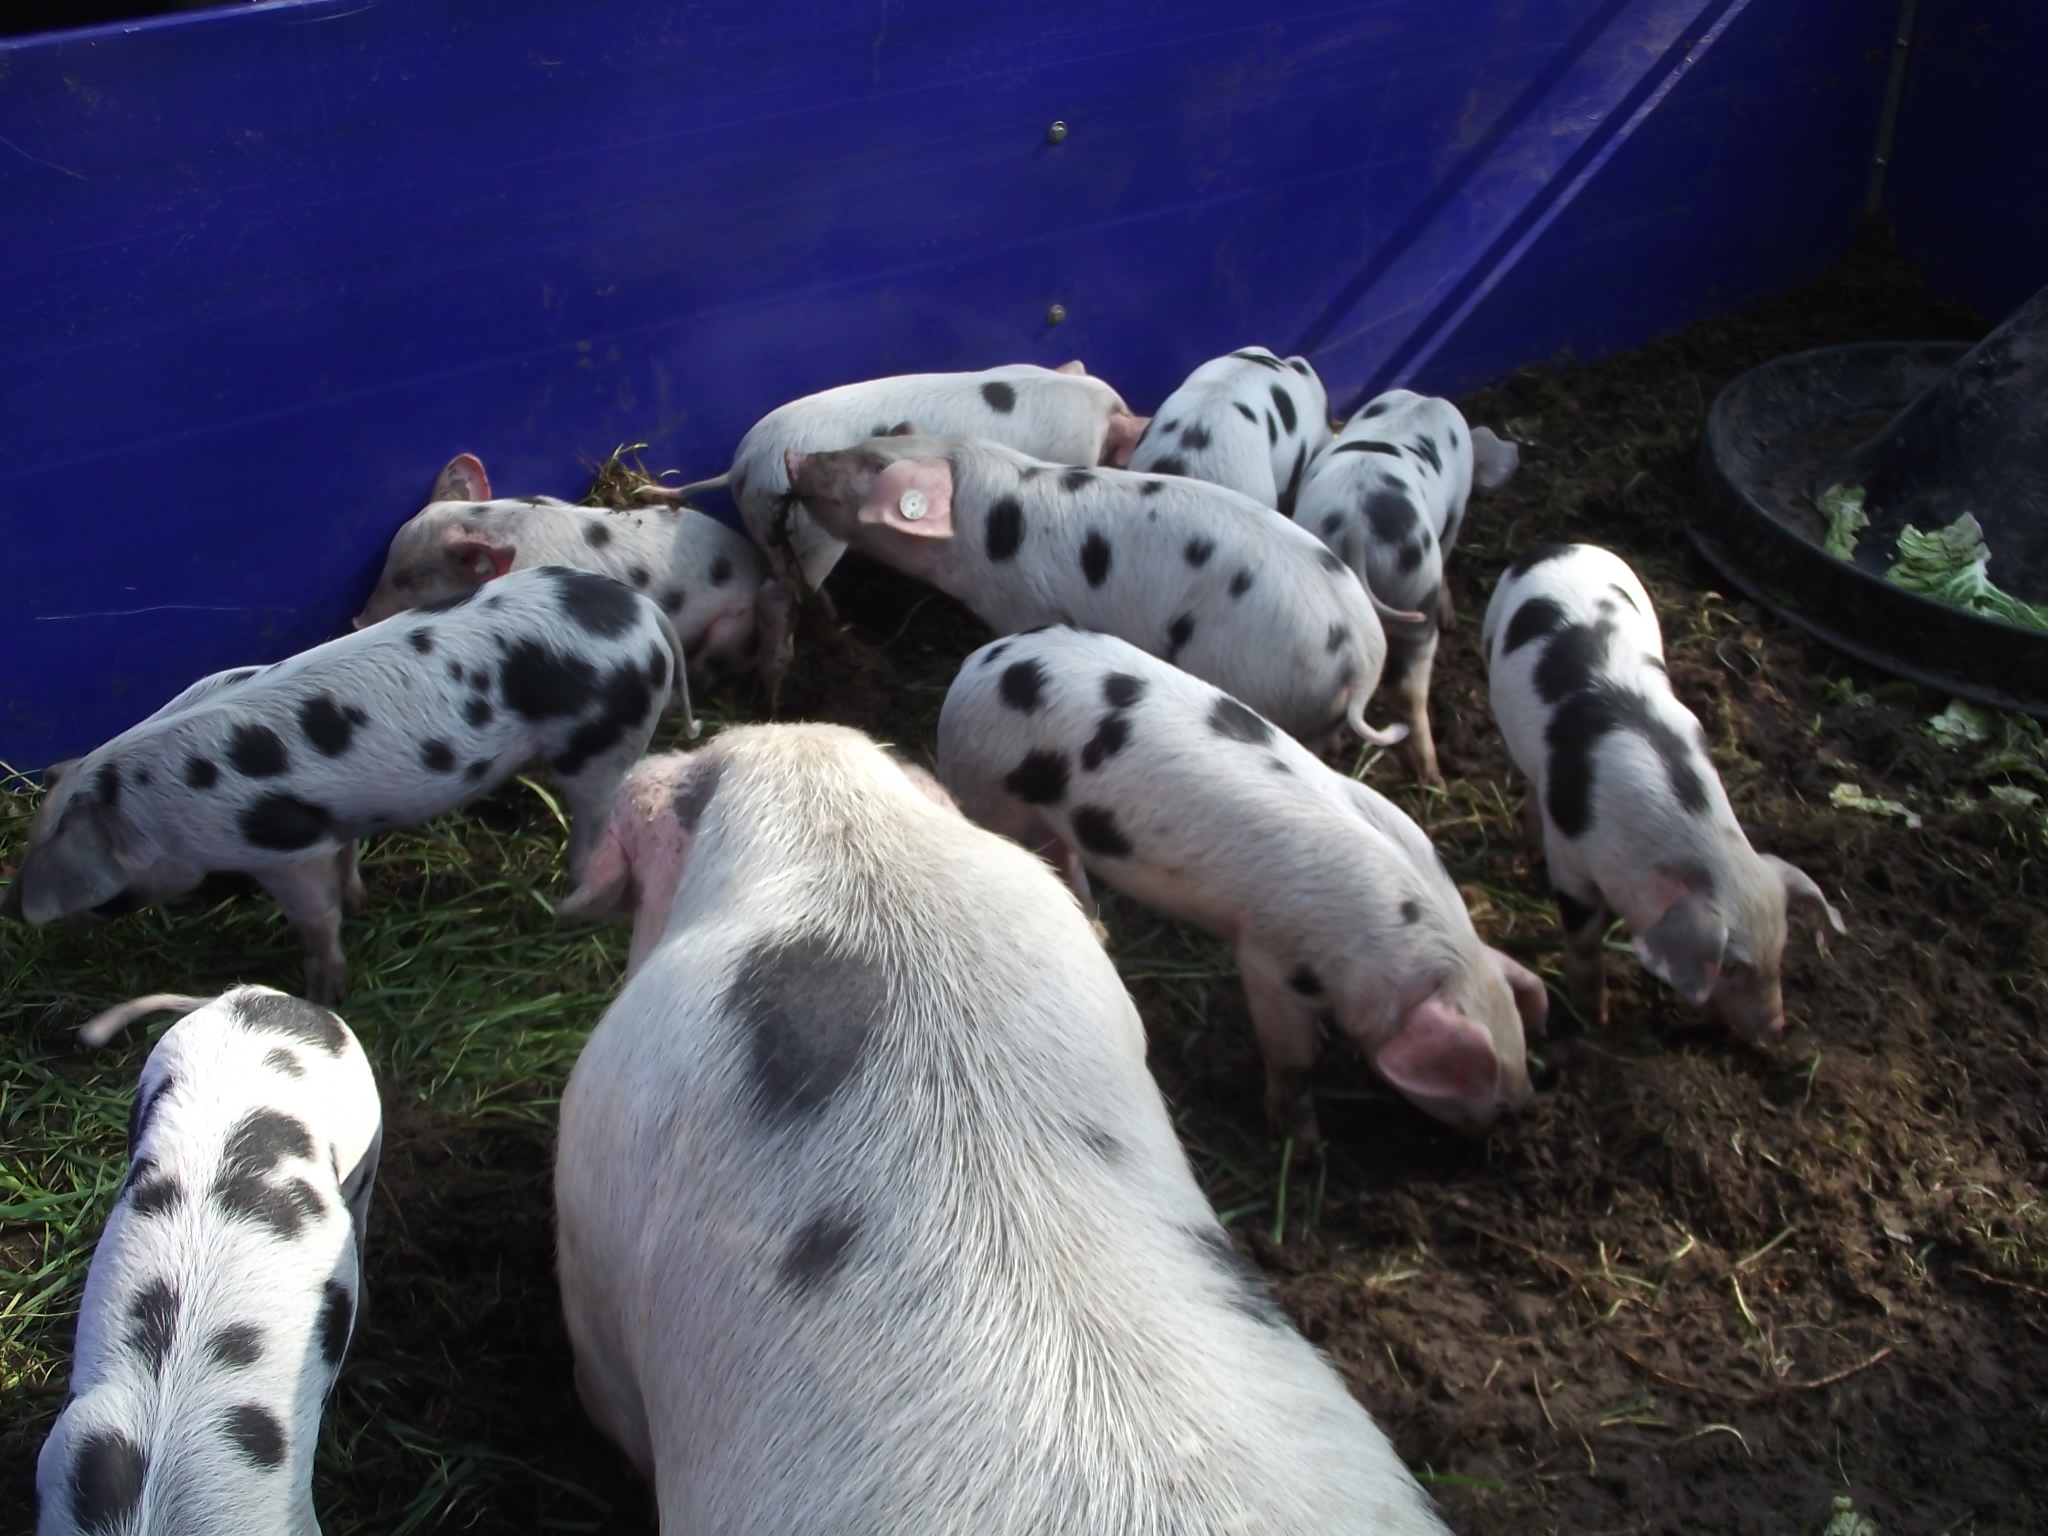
(1699, 1286)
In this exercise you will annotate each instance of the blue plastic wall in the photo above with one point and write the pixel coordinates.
(265, 270)
(1968, 185)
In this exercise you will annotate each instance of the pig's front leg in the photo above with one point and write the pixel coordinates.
(1285, 1021)
(1584, 919)
(309, 893)
(352, 894)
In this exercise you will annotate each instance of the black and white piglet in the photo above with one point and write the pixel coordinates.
(1388, 496)
(707, 578)
(872, 1222)
(1634, 819)
(225, 1285)
(275, 771)
(1052, 413)
(1251, 421)
(1337, 905)
(1194, 572)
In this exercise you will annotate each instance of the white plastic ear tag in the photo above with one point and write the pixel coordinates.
(913, 506)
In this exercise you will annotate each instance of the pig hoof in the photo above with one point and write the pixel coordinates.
(326, 981)
(1101, 932)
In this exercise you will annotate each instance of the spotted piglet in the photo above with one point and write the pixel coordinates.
(707, 578)
(225, 1285)
(1634, 819)
(1196, 573)
(1388, 496)
(1339, 909)
(1053, 413)
(274, 771)
(1251, 421)
(871, 1219)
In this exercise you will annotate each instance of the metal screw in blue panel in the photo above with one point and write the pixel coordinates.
(1056, 314)
(1056, 134)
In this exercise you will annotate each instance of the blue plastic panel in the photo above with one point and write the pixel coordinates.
(266, 269)
(1969, 168)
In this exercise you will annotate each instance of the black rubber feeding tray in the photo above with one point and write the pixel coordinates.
(1930, 430)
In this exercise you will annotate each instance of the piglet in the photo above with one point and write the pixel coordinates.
(871, 1220)
(1388, 496)
(275, 771)
(1251, 421)
(1194, 572)
(225, 1285)
(707, 578)
(1050, 413)
(1634, 819)
(1089, 750)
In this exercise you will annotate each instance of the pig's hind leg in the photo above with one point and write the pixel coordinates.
(1583, 915)
(309, 891)
(1284, 1018)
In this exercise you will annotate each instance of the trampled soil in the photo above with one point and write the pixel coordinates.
(1700, 1286)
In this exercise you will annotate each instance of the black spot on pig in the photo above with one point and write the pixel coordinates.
(672, 601)
(236, 1345)
(421, 640)
(437, 757)
(819, 1250)
(144, 1109)
(1095, 826)
(1332, 523)
(478, 712)
(1284, 404)
(256, 752)
(1331, 563)
(540, 684)
(282, 1060)
(329, 726)
(337, 1321)
(721, 571)
(1248, 1293)
(1041, 779)
(1622, 592)
(153, 1194)
(1575, 731)
(1367, 445)
(1197, 552)
(1022, 686)
(994, 653)
(284, 823)
(1264, 360)
(458, 672)
(1536, 618)
(1304, 980)
(1074, 479)
(1408, 558)
(154, 1318)
(1172, 464)
(1120, 690)
(106, 1481)
(1272, 431)
(1152, 487)
(596, 535)
(1001, 398)
(1391, 516)
(1241, 583)
(1095, 558)
(107, 783)
(623, 701)
(1298, 366)
(142, 777)
(1246, 412)
(1194, 437)
(477, 769)
(1573, 660)
(1166, 429)
(1334, 641)
(1004, 531)
(1232, 721)
(1292, 489)
(256, 1432)
(1536, 555)
(1426, 451)
(596, 604)
(1573, 913)
(271, 1012)
(1101, 1143)
(806, 1008)
(691, 800)
(1377, 408)
(637, 574)
(657, 667)
(1411, 911)
(1110, 737)
(260, 1141)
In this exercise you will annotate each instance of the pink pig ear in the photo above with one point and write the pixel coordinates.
(1442, 1054)
(1684, 947)
(462, 478)
(913, 496)
(1121, 440)
(606, 889)
(1076, 366)
(477, 560)
(902, 429)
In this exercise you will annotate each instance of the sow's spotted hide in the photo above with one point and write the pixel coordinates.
(226, 1283)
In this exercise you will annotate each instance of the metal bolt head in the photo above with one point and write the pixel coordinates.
(1056, 134)
(1056, 314)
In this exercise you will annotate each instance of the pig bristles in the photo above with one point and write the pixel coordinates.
(103, 1027)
